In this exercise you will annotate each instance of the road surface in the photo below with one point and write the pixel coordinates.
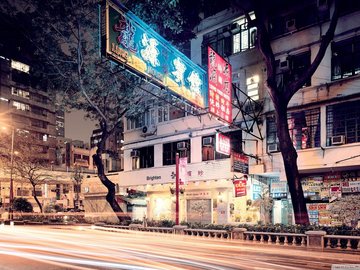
(73, 247)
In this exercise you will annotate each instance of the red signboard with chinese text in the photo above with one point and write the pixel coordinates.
(222, 144)
(240, 187)
(220, 85)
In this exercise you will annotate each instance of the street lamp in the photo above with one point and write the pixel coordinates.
(11, 196)
(11, 174)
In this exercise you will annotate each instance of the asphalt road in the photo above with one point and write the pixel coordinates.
(73, 247)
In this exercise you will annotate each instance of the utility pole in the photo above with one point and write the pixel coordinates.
(177, 190)
(11, 197)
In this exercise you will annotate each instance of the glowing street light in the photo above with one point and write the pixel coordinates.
(11, 197)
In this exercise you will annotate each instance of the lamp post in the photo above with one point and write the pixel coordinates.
(177, 190)
(11, 197)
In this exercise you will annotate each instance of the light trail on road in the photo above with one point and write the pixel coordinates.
(73, 247)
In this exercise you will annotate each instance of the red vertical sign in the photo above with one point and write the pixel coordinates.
(182, 170)
(222, 144)
(219, 86)
(240, 187)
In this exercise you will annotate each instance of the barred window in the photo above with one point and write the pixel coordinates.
(304, 129)
(343, 120)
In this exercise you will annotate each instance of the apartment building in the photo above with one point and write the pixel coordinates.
(323, 122)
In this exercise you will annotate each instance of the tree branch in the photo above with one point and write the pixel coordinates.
(325, 40)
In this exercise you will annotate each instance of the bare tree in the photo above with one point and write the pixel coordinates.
(29, 162)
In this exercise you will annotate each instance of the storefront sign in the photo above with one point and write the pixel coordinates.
(256, 191)
(350, 187)
(240, 163)
(222, 144)
(335, 193)
(240, 187)
(278, 187)
(220, 85)
(153, 177)
(182, 170)
(332, 176)
(199, 194)
(128, 40)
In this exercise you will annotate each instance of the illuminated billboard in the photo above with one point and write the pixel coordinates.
(219, 86)
(128, 40)
(223, 145)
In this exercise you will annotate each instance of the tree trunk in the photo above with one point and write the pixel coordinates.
(36, 199)
(290, 156)
(110, 197)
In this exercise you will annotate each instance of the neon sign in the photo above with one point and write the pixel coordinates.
(128, 40)
(219, 86)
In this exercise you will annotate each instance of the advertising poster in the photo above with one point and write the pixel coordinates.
(350, 187)
(321, 211)
(335, 193)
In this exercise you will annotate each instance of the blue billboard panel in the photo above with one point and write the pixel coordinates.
(128, 40)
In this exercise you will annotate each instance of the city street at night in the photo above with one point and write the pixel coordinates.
(74, 247)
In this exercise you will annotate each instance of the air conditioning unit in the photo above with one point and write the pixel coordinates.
(284, 65)
(290, 24)
(271, 148)
(135, 153)
(181, 146)
(235, 28)
(337, 140)
(208, 141)
(148, 131)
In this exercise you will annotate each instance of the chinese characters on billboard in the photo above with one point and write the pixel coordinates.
(240, 163)
(220, 85)
(182, 170)
(222, 144)
(128, 40)
(240, 187)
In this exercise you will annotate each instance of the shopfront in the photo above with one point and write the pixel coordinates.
(323, 191)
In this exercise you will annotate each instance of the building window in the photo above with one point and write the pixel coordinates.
(291, 68)
(170, 150)
(304, 129)
(343, 122)
(244, 37)
(208, 146)
(345, 61)
(21, 106)
(144, 158)
(231, 39)
(20, 93)
(163, 112)
(20, 66)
